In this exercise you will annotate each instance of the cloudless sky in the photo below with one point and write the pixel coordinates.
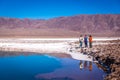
(55, 8)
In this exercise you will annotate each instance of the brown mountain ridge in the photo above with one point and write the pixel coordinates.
(98, 25)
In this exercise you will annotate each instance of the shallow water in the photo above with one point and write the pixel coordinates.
(45, 67)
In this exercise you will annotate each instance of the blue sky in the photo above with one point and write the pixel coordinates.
(55, 8)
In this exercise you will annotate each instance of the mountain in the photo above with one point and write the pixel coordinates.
(98, 25)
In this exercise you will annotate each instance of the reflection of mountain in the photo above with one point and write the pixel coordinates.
(67, 26)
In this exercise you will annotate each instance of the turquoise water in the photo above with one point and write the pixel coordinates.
(44, 67)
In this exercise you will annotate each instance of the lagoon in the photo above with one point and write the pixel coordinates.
(46, 67)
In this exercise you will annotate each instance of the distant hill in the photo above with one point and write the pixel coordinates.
(98, 25)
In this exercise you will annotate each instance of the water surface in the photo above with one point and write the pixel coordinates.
(45, 67)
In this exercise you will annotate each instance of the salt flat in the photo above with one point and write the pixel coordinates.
(46, 45)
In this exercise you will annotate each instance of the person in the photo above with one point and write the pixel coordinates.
(90, 41)
(86, 41)
(81, 41)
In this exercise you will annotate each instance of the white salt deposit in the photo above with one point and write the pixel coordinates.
(45, 45)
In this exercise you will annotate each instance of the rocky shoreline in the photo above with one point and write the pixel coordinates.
(109, 57)
(106, 55)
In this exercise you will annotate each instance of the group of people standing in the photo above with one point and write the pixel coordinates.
(86, 40)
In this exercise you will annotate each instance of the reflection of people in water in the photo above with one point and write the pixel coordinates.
(86, 66)
(81, 64)
(90, 66)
